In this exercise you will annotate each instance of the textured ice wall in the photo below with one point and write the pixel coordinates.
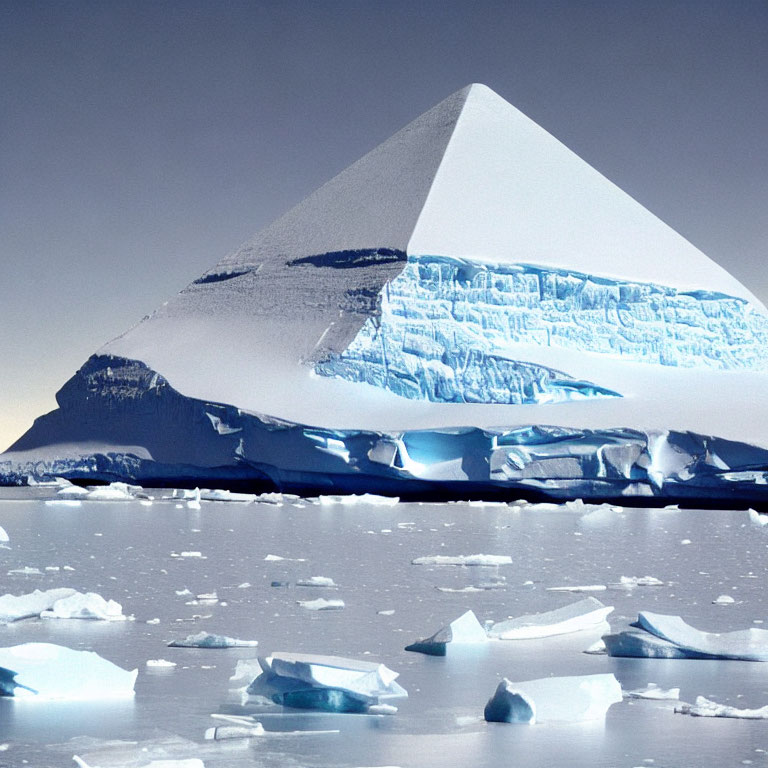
(446, 326)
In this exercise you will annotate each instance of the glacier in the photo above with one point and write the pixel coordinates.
(447, 329)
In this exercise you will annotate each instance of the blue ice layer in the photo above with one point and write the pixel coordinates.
(448, 327)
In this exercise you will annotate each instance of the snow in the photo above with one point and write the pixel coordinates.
(707, 708)
(466, 630)
(59, 603)
(566, 699)
(48, 671)
(663, 636)
(583, 614)
(654, 691)
(321, 604)
(204, 639)
(478, 560)
(331, 683)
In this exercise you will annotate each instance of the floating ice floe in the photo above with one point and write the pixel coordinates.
(160, 664)
(278, 558)
(363, 498)
(669, 637)
(570, 699)
(330, 683)
(707, 708)
(583, 614)
(188, 762)
(87, 605)
(757, 518)
(463, 560)
(4, 538)
(653, 691)
(61, 603)
(321, 604)
(72, 492)
(52, 671)
(466, 630)
(226, 732)
(724, 600)
(317, 581)
(113, 492)
(579, 588)
(639, 581)
(26, 570)
(208, 640)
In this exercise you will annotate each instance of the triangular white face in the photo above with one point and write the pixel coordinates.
(507, 191)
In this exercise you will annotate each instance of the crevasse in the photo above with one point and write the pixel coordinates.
(447, 326)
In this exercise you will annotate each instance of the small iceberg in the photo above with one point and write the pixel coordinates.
(465, 630)
(317, 581)
(707, 708)
(113, 492)
(49, 671)
(208, 640)
(561, 699)
(627, 582)
(653, 691)
(463, 560)
(321, 604)
(61, 603)
(660, 636)
(583, 614)
(328, 683)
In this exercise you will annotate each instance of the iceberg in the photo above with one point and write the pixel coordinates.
(431, 345)
(204, 639)
(317, 581)
(583, 614)
(49, 671)
(663, 636)
(466, 630)
(558, 699)
(330, 683)
(654, 691)
(463, 560)
(60, 603)
(707, 708)
(321, 604)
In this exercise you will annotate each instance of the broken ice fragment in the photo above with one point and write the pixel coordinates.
(463, 631)
(54, 672)
(661, 636)
(316, 581)
(160, 664)
(208, 640)
(640, 581)
(571, 699)
(724, 600)
(583, 614)
(579, 588)
(85, 606)
(707, 708)
(15, 607)
(463, 560)
(223, 732)
(329, 683)
(321, 604)
(653, 691)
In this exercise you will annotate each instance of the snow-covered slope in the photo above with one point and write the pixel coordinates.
(470, 277)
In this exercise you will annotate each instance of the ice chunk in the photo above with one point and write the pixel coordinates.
(463, 631)
(218, 494)
(72, 492)
(463, 560)
(661, 636)
(640, 581)
(653, 691)
(579, 588)
(111, 492)
(316, 581)
(85, 606)
(364, 498)
(160, 664)
(724, 600)
(223, 732)
(189, 762)
(330, 683)
(15, 607)
(583, 614)
(572, 699)
(708, 708)
(321, 604)
(208, 640)
(757, 518)
(54, 672)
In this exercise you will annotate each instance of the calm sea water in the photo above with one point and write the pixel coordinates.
(124, 551)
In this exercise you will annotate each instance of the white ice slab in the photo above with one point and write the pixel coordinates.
(584, 614)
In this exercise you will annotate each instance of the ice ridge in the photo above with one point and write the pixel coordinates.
(447, 329)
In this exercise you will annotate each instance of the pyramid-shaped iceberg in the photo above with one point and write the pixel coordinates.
(468, 309)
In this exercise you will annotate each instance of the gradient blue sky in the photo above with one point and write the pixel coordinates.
(141, 141)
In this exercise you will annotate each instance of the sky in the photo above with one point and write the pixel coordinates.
(142, 141)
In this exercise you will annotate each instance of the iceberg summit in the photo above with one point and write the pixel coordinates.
(470, 309)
